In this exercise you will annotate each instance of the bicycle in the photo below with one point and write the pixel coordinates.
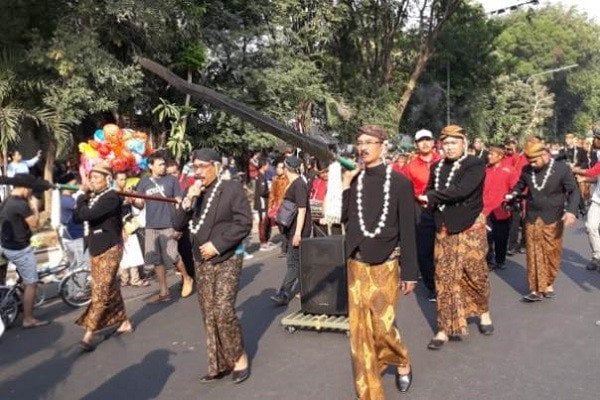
(74, 288)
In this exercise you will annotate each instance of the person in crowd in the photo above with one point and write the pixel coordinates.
(499, 180)
(480, 150)
(400, 162)
(261, 199)
(418, 171)
(455, 194)
(592, 223)
(133, 258)
(297, 194)
(276, 194)
(100, 211)
(551, 205)
(20, 166)
(161, 238)
(513, 158)
(219, 218)
(71, 231)
(576, 157)
(379, 213)
(18, 216)
(317, 194)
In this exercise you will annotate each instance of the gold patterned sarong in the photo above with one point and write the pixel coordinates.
(461, 278)
(375, 341)
(544, 248)
(107, 307)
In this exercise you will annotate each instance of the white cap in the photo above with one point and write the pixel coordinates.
(423, 133)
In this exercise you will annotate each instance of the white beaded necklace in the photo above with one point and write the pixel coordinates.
(386, 203)
(93, 200)
(455, 167)
(541, 187)
(195, 228)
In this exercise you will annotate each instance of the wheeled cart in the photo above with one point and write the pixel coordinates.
(322, 322)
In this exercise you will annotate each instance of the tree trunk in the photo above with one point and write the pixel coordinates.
(412, 82)
(184, 119)
(48, 171)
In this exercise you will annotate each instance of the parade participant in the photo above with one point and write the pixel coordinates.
(455, 194)
(161, 239)
(516, 160)
(100, 210)
(133, 258)
(20, 166)
(499, 180)
(261, 198)
(18, 216)
(278, 188)
(551, 205)
(400, 162)
(296, 193)
(592, 223)
(418, 171)
(572, 153)
(480, 151)
(379, 214)
(71, 231)
(219, 219)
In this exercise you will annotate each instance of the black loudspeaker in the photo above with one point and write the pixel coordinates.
(323, 281)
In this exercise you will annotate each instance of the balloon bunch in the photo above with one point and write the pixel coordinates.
(125, 149)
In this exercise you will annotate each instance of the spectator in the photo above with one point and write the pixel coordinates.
(71, 231)
(18, 166)
(261, 198)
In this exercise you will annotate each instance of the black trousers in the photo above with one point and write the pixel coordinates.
(425, 230)
(497, 239)
(514, 243)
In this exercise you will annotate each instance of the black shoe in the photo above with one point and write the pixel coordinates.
(436, 344)
(241, 375)
(486, 329)
(403, 382)
(210, 378)
(532, 298)
(511, 252)
(593, 265)
(549, 295)
(280, 298)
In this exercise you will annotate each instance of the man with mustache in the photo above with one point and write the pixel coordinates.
(379, 213)
(455, 193)
(218, 215)
(551, 205)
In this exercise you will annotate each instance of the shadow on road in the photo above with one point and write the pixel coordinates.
(141, 381)
(427, 307)
(515, 275)
(258, 313)
(249, 273)
(42, 380)
(573, 266)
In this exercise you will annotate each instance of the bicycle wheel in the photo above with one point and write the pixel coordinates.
(76, 288)
(9, 306)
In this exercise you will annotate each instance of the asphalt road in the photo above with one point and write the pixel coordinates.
(547, 350)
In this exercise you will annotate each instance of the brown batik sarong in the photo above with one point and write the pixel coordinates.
(217, 286)
(107, 307)
(544, 247)
(584, 188)
(461, 278)
(375, 341)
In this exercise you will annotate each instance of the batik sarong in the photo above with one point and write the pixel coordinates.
(544, 248)
(375, 341)
(107, 307)
(461, 277)
(217, 286)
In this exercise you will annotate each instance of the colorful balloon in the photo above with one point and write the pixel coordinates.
(99, 135)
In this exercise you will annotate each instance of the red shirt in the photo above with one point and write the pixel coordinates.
(499, 180)
(418, 170)
(318, 189)
(515, 161)
(594, 171)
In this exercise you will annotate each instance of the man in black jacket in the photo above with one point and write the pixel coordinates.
(261, 200)
(551, 185)
(379, 212)
(455, 193)
(219, 219)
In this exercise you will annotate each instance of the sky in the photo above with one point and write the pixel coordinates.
(591, 7)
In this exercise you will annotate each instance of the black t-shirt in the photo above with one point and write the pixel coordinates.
(297, 192)
(14, 231)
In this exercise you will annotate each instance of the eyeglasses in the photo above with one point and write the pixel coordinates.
(367, 143)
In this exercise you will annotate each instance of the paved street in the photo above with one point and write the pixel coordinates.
(547, 350)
